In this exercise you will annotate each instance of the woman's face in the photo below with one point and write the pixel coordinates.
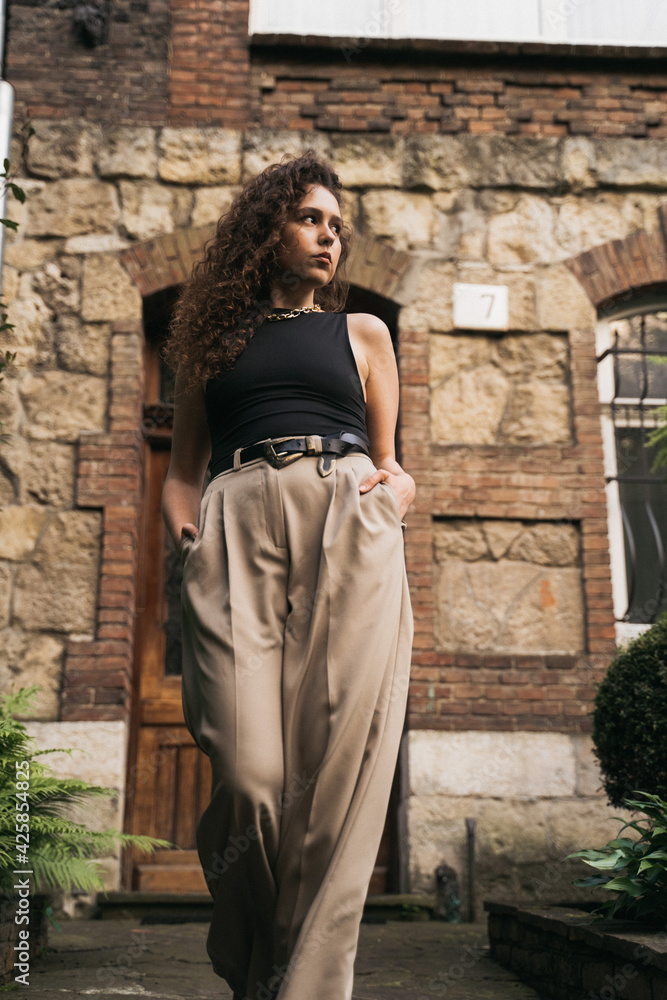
(311, 238)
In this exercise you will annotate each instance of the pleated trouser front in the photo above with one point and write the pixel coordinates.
(297, 634)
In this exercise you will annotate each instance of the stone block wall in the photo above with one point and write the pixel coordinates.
(99, 757)
(501, 430)
(507, 547)
(510, 586)
(535, 797)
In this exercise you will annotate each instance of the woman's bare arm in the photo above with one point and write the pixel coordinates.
(190, 454)
(373, 347)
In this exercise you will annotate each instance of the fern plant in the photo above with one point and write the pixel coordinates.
(60, 852)
(636, 869)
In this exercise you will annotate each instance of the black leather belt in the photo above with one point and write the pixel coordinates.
(283, 451)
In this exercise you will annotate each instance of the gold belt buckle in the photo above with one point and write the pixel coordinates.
(278, 460)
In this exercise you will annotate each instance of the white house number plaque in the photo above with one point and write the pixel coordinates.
(480, 307)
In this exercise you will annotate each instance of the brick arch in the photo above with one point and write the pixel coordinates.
(614, 271)
(167, 260)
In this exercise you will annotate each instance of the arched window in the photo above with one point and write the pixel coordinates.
(632, 381)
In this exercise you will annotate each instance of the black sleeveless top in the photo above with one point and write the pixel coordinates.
(296, 376)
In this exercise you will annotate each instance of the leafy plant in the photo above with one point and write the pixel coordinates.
(630, 717)
(635, 869)
(18, 192)
(658, 437)
(59, 851)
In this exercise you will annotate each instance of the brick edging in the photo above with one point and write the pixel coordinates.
(98, 672)
(567, 954)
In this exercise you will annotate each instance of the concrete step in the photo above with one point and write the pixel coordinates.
(163, 907)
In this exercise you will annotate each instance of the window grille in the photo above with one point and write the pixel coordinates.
(632, 377)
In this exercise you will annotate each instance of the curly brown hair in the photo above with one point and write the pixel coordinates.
(228, 295)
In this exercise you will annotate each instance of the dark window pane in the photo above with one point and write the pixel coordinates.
(641, 374)
(633, 456)
(643, 499)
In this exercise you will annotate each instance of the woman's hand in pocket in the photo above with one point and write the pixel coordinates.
(401, 483)
(187, 531)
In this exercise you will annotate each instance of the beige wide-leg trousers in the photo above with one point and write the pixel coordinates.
(297, 634)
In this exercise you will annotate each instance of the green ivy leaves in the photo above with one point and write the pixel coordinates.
(636, 869)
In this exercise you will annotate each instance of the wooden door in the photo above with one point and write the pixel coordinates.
(169, 778)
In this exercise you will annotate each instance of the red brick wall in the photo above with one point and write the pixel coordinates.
(180, 62)
(209, 76)
(166, 62)
(98, 673)
(57, 76)
(460, 691)
(374, 91)
(463, 691)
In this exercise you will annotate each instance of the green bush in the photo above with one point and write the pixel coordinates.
(630, 718)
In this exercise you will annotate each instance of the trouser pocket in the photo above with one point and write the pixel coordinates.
(184, 548)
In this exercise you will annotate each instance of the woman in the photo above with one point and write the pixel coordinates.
(297, 624)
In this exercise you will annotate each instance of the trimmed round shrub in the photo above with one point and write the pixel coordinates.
(630, 718)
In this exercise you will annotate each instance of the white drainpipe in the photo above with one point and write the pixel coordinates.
(6, 113)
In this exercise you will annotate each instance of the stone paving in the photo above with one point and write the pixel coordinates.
(410, 960)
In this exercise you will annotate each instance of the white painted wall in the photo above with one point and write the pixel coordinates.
(576, 21)
(99, 757)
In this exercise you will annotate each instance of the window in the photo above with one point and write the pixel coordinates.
(632, 381)
(596, 22)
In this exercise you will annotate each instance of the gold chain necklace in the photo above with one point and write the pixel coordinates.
(274, 317)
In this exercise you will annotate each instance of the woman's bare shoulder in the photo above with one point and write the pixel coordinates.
(368, 325)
